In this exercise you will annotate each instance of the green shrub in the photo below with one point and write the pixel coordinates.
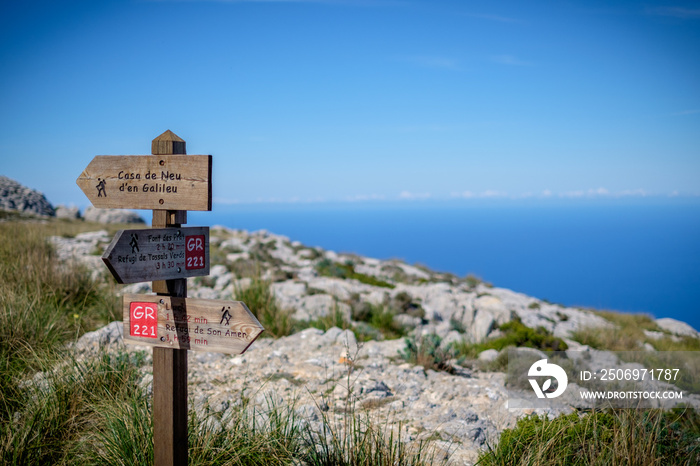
(403, 303)
(328, 268)
(334, 318)
(427, 351)
(611, 437)
(380, 318)
(517, 334)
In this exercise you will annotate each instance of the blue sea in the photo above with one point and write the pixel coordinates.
(637, 255)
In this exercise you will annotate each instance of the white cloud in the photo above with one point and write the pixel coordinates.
(365, 197)
(604, 192)
(490, 193)
(407, 195)
(633, 192)
(221, 200)
(578, 193)
(463, 194)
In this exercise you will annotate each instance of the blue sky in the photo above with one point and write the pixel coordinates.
(307, 101)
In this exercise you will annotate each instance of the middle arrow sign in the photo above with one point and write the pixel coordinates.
(158, 254)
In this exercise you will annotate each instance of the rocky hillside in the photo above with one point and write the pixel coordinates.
(15, 197)
(350, 314)
(25, 201)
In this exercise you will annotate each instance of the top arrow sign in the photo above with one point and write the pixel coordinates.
(160, 182)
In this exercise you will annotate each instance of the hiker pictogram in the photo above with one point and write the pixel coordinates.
(101, 188)
(226, 316)
(134, 243)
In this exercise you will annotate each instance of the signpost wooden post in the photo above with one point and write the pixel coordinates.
(170, 183)
(170, 365)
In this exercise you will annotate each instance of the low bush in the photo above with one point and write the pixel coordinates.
(428, 352)
(403, 303)
(379, 318)
(335, 318)
(628, 436)
(517, 334)
(328, 268)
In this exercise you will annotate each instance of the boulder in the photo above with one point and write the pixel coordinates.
(70, 213)
(494, 306)
(93, 214)
(484, 323)
(488, 355)
(677, 327)
(320, 305)
(16, 197)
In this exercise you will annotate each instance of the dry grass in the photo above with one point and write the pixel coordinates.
(627, 334)
(615, 437)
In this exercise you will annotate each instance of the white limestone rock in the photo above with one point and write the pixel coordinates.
(484, 323)
(319, 305)
(69, 213)
(16, 197)
(488, 355)
(577, 319)
(677, 327)
(493, 306)
(93, 214)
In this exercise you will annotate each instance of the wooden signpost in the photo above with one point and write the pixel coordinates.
(148, 181)
(158, 254)
(170, 183)
(189, 323)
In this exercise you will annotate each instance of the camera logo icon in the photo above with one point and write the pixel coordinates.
(542, 368)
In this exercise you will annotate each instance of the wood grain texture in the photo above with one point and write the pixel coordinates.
(168, 143)
(189, 323)
(157, 182)
(158, 254)
(170, 365)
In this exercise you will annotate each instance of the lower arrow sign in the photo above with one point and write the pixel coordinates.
(189, 323)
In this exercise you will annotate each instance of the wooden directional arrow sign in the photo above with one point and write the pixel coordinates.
(158, 254)
(162, 182)
(188, 323)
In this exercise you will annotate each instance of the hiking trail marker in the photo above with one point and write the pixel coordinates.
(158, 254)
(148, 182)
(170, 183)
(189, 323)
